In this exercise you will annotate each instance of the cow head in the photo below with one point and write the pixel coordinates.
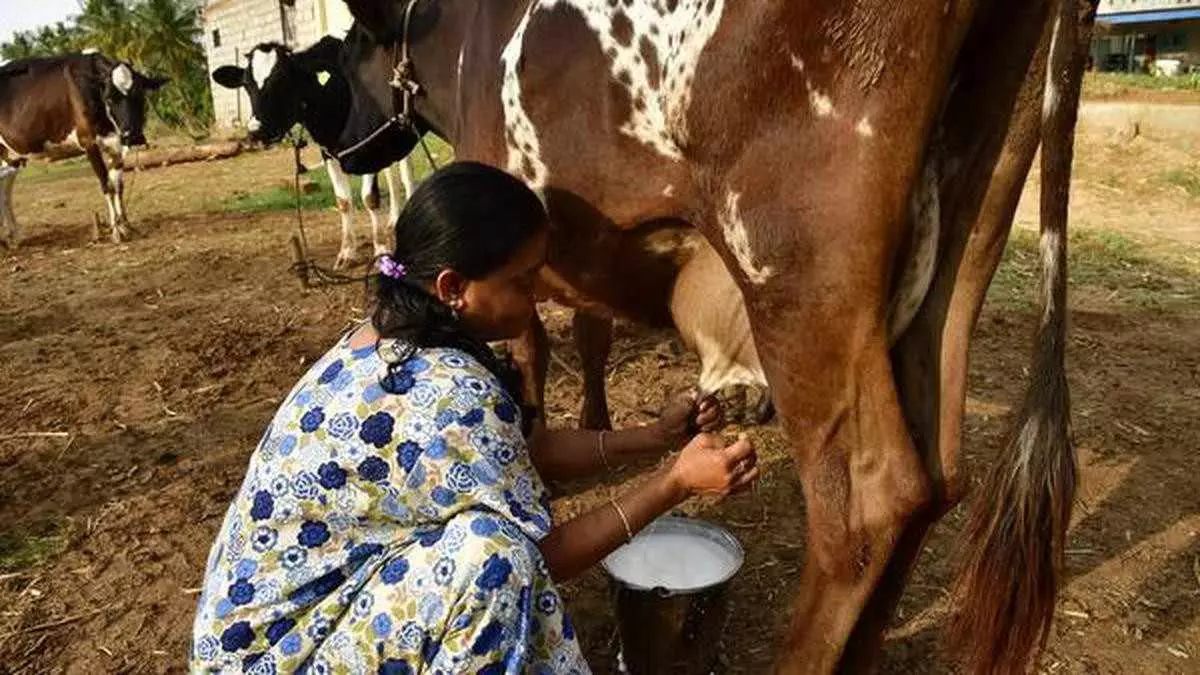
(125, 92)
(269, 79)
(278, 84)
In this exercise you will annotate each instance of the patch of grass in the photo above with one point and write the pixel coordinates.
(20, 551)
(46, 172)
(1105, 85)
(1103, 262)
(284, 198)
(1187, 179)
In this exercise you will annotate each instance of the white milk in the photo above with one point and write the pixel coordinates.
(672, 560)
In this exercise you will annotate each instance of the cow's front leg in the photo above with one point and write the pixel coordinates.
(531, 355)
(114, 153)
(345, 207)
(109, 186)
(406, 177)
(116, 180)
(370, 200)
(593, 337)
(395, 202)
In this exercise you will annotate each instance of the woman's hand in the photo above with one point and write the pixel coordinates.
(705, 467)
(708, 467)
(684, 417)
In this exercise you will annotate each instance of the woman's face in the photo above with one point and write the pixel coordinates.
(501, 305)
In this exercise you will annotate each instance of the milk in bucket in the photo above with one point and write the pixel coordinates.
(671, 592)
(673, 560)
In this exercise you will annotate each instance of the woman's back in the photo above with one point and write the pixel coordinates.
(359, 466)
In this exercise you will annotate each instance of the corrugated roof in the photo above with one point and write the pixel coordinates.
(1156, 16)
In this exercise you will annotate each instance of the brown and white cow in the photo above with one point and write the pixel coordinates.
(87, 101)
(856, 165)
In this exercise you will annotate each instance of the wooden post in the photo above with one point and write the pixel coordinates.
(299, 264)
(237, 93)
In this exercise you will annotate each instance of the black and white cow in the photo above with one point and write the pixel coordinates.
(90, 101)
(308, 87)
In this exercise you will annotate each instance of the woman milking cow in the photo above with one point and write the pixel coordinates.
(394, 517)
(425, 544)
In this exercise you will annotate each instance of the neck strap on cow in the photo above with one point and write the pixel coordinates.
(403, 81)
(405, 88)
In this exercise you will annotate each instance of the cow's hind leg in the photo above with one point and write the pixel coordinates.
(815, 268)
(862, 481)
(999, 70)
(10, 233)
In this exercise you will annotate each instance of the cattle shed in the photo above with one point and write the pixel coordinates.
(233, 27)
(1155, 36)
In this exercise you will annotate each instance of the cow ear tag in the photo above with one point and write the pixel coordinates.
(323, 77)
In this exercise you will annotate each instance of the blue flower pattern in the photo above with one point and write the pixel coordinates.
(311, 421)
(377, 513)
(343, 426)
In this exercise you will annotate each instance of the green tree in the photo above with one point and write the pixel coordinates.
(55, 38)
(108, 26)
(58, 38)
(168, 40)
(22, 46)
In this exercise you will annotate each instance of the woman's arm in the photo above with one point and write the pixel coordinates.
(566, 454)
(704, 467)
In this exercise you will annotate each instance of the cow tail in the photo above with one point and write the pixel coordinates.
(1014, 541)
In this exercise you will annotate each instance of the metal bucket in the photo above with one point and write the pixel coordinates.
(673, 630)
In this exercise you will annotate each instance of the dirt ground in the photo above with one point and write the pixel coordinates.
(154, 366)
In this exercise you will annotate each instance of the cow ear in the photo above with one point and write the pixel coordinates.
(122, 78)
(327, 49)
(154, 83)
(230, 77)
(378, 18)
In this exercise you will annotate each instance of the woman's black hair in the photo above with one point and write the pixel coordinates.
(468, 217)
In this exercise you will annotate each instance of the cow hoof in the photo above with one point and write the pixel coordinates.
(764, 412)
(345, 259)
(746, 404)
(120, 233)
